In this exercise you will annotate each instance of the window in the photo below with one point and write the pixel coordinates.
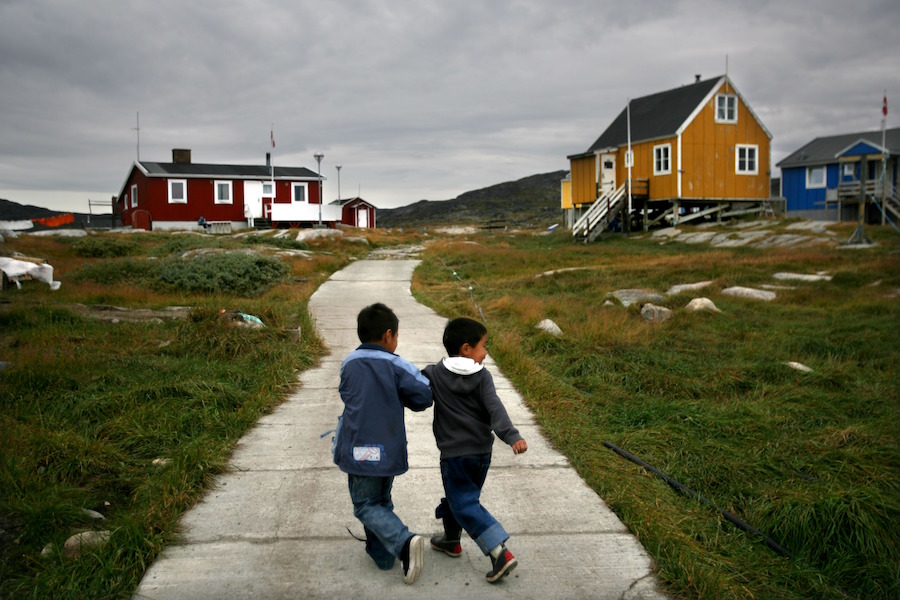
(849, 170)
(815, 177)
(223, 192)
(746, 160)
(134, 196)
(298, 192)
(726, 108)
(662, 164)
(267, 189)
(178, 191)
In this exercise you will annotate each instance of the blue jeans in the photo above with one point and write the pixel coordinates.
(463, 479)
(372, 505)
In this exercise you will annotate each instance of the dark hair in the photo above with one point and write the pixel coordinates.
(462, 331)
(373, 321)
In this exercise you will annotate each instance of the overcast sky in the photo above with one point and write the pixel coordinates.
(416, 100)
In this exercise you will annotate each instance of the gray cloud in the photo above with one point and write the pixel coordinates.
(415, 99)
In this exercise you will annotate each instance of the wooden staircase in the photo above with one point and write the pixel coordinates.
(598, 217)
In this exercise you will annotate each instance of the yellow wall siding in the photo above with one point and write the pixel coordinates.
(565, 193)
(584, 180)
(661, 186)
(709, 156)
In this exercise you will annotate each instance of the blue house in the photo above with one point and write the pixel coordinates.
(826, 178)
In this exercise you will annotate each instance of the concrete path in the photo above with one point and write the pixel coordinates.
(275, 525)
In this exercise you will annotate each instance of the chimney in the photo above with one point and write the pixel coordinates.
(268, 160)
(181, 155)
(697, 78)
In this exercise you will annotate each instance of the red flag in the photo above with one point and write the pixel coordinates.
(884, 109)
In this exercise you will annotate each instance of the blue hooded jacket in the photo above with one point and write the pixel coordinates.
(375, 386)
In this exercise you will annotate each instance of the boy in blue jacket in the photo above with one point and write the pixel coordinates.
(370, 443)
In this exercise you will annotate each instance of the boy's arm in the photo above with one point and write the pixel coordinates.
(500, 421)
(414, 388)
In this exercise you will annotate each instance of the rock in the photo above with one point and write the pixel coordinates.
(687, 287)
(357, 240)
(632, 296)
(550, 327)
(319, 234)
(160, 462)
(802, 277)
(754, 294)
(698, 304)
(84, 542)
(798, 366)
(654, 313)
(93, 514)
(666, 232)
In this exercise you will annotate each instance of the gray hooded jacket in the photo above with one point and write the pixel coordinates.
(467, 408)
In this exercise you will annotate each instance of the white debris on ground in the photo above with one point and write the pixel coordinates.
(17, 271)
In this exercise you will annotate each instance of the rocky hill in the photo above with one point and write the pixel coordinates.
(530, 202)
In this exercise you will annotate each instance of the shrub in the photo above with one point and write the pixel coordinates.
(232, 273)
(104, 247)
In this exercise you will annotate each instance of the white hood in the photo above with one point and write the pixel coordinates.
(462, 365)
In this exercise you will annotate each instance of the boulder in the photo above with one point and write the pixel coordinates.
(698, 304)
(654, 313)
(550, 327)
(636, 296)
(84, 542)
(744, 292)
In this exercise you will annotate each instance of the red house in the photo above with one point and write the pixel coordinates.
(356, 212)
(176, 195)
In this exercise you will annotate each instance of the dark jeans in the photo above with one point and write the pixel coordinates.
(463, 479)
(372, 505)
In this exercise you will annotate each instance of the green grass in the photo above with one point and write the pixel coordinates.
(810, 459)
(88, 406)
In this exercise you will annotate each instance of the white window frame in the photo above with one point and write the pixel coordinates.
(229, 187)
(662, 153)
(183, 199)
(849, 170)
(810, 185)
(271, 192)
(746, 150)
(294, 186)
(727, 104)
(134, 196)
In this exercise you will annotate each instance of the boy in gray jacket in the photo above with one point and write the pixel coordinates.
(466, 410)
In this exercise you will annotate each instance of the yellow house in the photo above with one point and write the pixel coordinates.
(695, 151)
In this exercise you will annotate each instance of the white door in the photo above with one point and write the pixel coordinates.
(253, 191)
(607, 173)
(362, 217)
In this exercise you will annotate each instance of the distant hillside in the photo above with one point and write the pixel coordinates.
(531, 202)
(13, 211)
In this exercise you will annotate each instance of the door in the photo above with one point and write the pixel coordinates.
(253, 191)
(607, 173)
(362, 217)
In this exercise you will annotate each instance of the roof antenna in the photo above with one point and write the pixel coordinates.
(697, 78)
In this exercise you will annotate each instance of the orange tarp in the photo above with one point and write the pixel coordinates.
(56, 221)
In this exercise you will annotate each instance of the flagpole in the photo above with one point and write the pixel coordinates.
(629, 160)
(884, 111)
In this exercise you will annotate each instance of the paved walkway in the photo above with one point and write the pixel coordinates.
(275, 525)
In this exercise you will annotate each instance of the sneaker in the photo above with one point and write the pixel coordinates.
(413, 558)
(503, 564)
(449, 547)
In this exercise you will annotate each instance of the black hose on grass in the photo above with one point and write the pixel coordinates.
(684, 490)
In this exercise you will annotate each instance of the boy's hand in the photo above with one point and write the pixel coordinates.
(520, 447)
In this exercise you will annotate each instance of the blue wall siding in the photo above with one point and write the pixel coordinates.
(793, 188)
